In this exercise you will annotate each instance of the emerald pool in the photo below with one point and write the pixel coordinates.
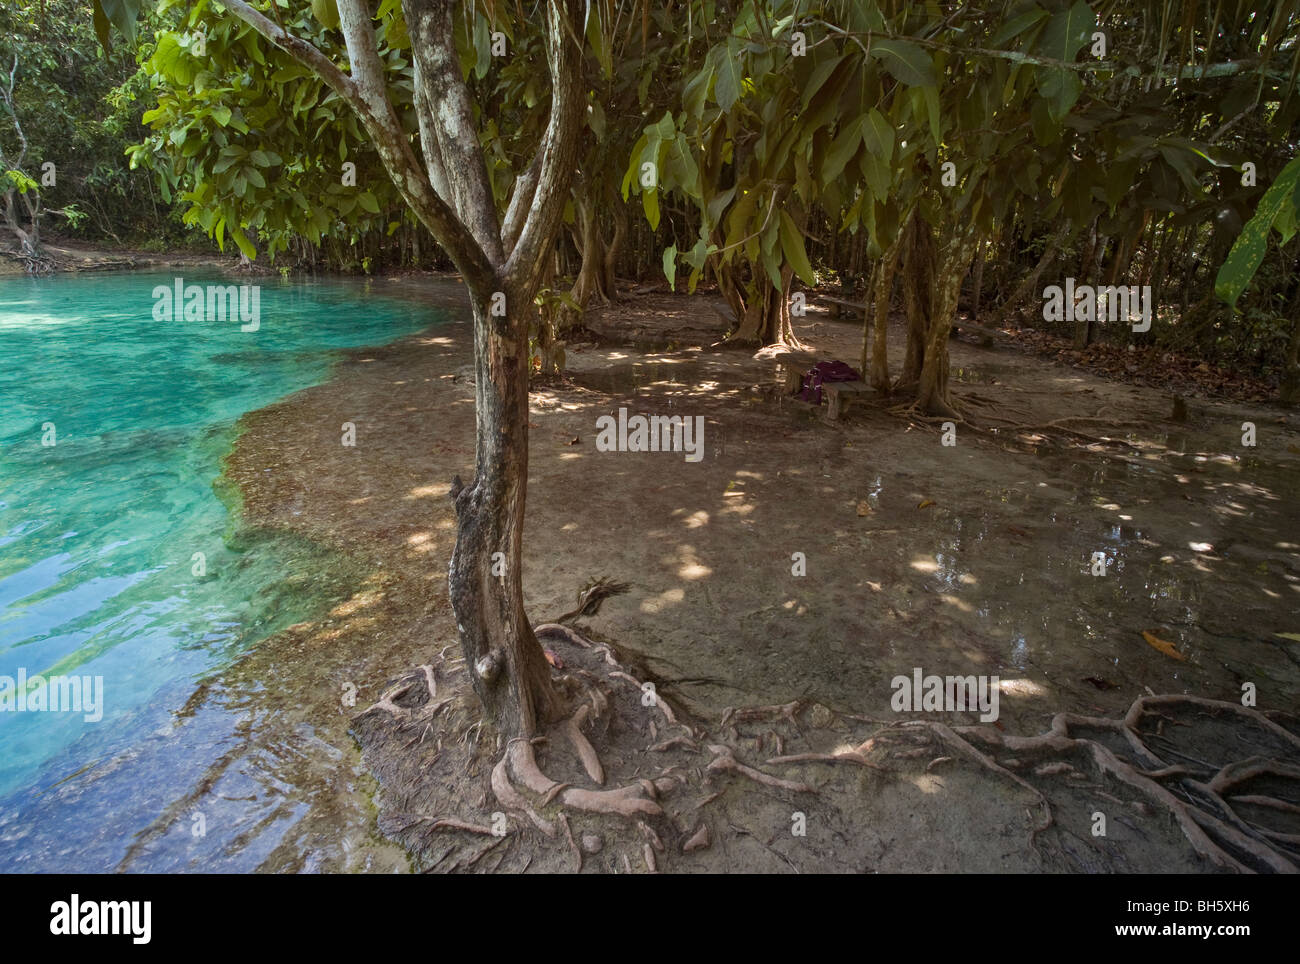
(120, 559)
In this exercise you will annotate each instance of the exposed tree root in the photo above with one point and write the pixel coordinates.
(726, 762)
(857, 754)
(787, 711)
(404, 714)
(582, 746)
(699, 840)
(1209, 821)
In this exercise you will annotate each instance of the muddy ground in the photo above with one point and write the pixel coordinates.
(973, 558)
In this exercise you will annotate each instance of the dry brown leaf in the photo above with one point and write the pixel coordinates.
(864, 509)
(1163, 646)
(926, 504)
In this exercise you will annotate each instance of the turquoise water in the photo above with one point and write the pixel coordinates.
(99, 531)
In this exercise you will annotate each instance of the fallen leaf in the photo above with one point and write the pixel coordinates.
(1291, 636)
(1162, 645)
(864, 509)
(553, 659)
(926, 504)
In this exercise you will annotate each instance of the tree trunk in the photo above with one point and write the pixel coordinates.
(507, 666)
(883, 295)
(918, 285)
(1083, 326)
(1030, 284)
(866, 319)
(615, 246)
(766, 318)
(932, 393)
(588, 287)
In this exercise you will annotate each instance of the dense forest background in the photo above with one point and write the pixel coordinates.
(922, 156)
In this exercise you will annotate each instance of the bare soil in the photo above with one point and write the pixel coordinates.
(971, 558)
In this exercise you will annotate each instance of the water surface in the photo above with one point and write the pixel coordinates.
(119, 558)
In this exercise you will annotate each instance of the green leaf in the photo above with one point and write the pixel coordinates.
(842, 149)
(101, 26)
(650, 202)
(878, 136)
(242, 242)
(1060, 88)
(482, 46)
(822, 71)
(1180, 160)
(905, 61)
(368, 202)
(326, 13)
(1067, 32)
(670, 266)
(1248, 250)
(729, 82)
(1016, 26)
(121, 14)
(931, 95)
(792, 247)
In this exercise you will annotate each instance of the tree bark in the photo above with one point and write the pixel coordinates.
(508, 669)
(766, 317)
(918, 286)
(932, 392)
(883, 292)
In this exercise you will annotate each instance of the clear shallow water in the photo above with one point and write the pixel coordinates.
(98, 532)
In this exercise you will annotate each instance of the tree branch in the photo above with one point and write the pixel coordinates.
(450, 113)
(369, 100)
(521, 202)
(558, 149)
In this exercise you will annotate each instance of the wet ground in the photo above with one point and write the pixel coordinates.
(974, 558)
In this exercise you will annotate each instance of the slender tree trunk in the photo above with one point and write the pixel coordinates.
(507, 666)
(866, 320)
(614, 248)
(588, 287)
(918, 285)
(882, 293)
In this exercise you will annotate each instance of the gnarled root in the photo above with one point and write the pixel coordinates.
(856, 755)
(725, 762)
(1200, 807)
(403, 714)
(582, 746)
(629, 801)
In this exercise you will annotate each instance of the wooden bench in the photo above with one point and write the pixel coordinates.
(838, 303)
(838, 395)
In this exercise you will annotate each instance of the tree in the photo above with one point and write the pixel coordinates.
(443, 179)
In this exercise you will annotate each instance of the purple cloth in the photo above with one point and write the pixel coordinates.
(822, 372)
